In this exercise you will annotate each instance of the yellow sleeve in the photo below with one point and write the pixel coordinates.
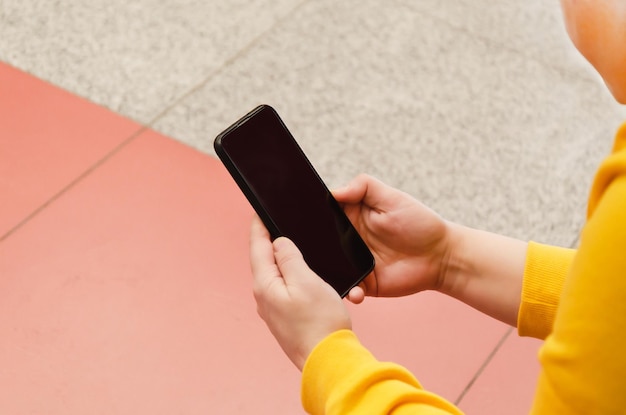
(584, 358)
(544, 274)
(342, 377)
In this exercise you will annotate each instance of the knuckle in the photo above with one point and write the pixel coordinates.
(286, 258)
(258, 292)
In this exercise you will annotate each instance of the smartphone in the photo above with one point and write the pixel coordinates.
(291, 199)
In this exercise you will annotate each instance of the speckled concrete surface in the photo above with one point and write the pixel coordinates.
(482, 110)
(136, 57)
(487, 136)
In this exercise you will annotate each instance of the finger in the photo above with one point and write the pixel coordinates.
(289, 260)
(262, 260)
(258, 226)
(366, 190)
(350, 193)
(356, 295)
(293, 268)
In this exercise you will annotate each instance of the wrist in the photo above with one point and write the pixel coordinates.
(453, 270)
(484, 270)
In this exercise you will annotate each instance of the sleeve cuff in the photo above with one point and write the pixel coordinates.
(323, 371)
(544, 275)
(341, 376)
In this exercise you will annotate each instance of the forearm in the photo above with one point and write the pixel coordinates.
(485, 270)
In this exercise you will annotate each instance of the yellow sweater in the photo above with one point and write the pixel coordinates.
(576, 300)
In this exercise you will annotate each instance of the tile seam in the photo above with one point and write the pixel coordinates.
(227, 63)
(77, 179)
(145, 126)
(482, 368)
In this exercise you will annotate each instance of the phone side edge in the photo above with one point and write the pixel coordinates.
(358, 281)
(243, 185)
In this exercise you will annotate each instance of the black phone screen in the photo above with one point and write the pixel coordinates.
(291, 199)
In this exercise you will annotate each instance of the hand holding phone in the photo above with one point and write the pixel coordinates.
(291, 199)
(299, 308)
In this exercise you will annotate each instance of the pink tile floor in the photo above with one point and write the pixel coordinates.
(125, 288)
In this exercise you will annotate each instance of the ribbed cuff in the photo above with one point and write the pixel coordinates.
(544, 275)
(320, 374)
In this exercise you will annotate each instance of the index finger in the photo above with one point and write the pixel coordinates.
(366, 190)
(262, 259)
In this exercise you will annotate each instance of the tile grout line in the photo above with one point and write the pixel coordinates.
(145, 126)
(482, 368)
(227, 63)
(72, 183)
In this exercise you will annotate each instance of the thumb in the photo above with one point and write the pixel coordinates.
(289, 259)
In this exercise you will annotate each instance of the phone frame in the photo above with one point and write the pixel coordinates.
(253, 198)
